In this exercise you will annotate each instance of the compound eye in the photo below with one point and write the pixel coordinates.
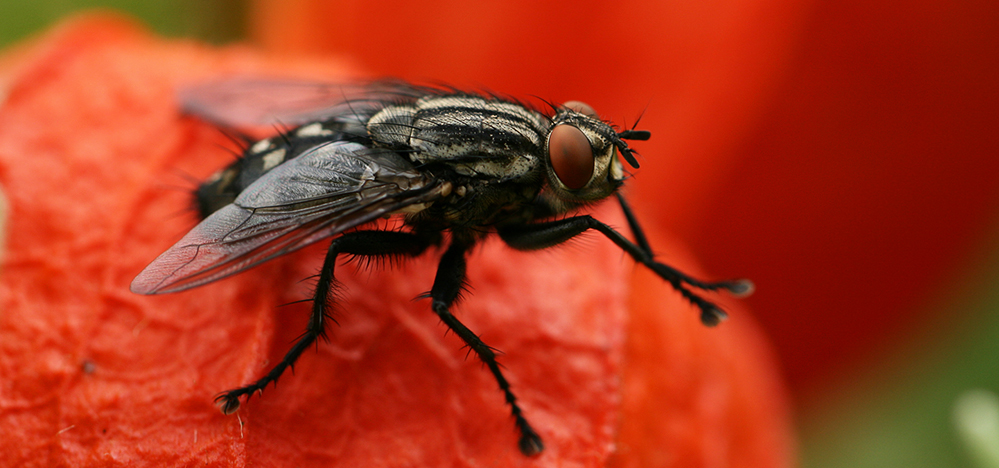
(581, 107)
(571, 156)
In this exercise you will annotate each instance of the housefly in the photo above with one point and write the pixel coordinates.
(454, 166)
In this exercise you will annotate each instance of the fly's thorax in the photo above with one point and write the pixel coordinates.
(475, 136)
(485, 204)
(582, 163)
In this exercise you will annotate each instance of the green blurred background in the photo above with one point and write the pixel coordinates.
(216, 21)
(898, 412)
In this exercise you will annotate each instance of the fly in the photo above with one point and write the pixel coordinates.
(454, 166)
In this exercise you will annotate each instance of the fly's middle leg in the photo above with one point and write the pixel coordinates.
(359, 243)
(447, 287)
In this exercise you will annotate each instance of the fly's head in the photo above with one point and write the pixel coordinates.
(582, 154)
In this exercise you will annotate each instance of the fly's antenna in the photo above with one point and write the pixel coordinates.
(639, 119)
(628, 153)
(632, 134)
(639, 135)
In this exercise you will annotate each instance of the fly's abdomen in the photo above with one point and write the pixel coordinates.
(259, 158)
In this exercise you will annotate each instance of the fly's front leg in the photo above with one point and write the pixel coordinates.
(636, 229)
(447, 287)
(740, 288)
(546, 234)
(360, 243)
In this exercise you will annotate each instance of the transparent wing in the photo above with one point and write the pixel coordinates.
(327, 190)
(246, 103)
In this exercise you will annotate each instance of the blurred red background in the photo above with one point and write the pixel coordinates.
(843, 154)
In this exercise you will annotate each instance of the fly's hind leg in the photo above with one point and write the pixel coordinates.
(447, 287)
(359, 243)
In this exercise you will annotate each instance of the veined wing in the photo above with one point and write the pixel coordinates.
(327, 190)
(243, 103)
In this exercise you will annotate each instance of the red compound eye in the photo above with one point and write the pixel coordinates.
(571, 156)
(581, 107)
